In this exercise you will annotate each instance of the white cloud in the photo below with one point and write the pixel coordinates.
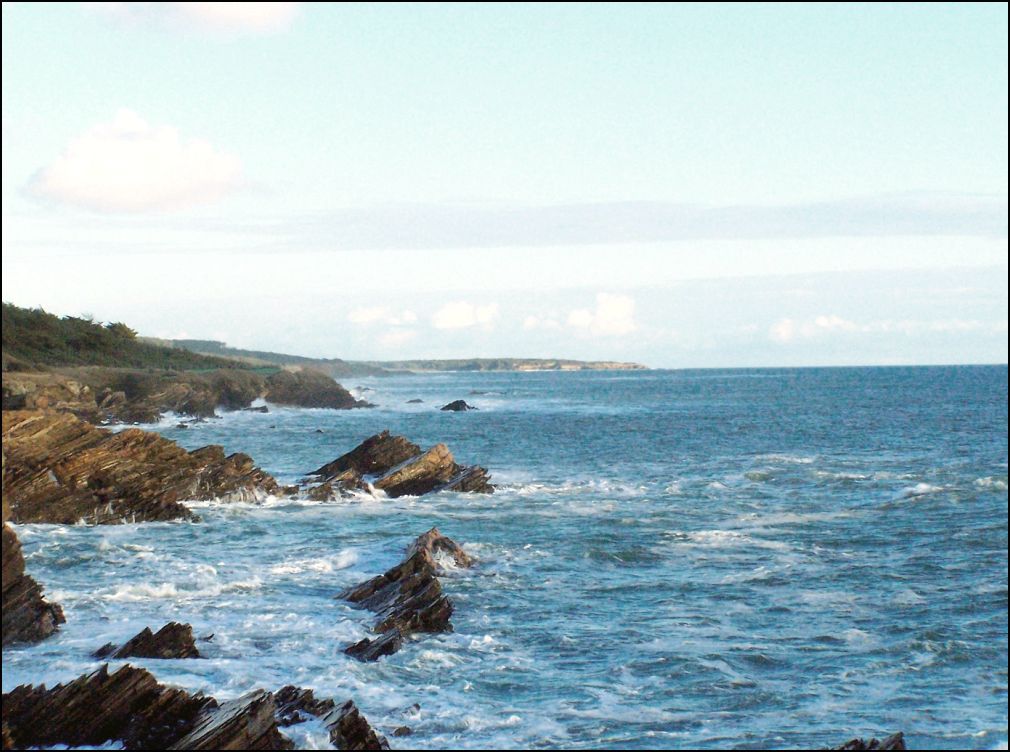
(226, 18)
(129, 165)
(381, 315)
(614, 316)
(460, 315)
(790, 330)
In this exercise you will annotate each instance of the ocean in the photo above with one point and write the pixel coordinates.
(740, 558)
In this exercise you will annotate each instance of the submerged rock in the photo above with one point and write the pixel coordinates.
(27, 616)
(174, 640)
(892, 742)
(397, 467)
(408, 598)
(61, 469)
(415, 401)
(458, 406)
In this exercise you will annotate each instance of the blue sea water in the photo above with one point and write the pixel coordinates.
(747, 558)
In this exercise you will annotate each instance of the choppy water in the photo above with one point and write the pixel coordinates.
(674, 559)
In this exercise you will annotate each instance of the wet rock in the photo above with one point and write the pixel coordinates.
(27, 616)
(892, 742)
(294, 704)
(347, 727)
(374, 456)
(458, 406)
(127, 706)
(368, 650)
(61, 469)
(174, 640)
(257, 409)
(246, 723)
(402, 731)
(397, 467)
(408, 598)
(414, 401)
(350, 730)
(308, 388)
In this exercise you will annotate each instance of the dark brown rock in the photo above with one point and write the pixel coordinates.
(246, 723)
(397, 467)
(892, 742)
(458, 406)
(128, 706)
(174, 640)
(374, 456)
(61, 469)
(308, 388)
(294, 704)
(402, 731)
(349, 729)
(347, 726)
(27, 616)
(408, 598)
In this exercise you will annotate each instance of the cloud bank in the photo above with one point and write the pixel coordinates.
(130, 165)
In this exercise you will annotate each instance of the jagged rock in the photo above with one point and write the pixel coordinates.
(368, 650)
(128, 706)
(174, 640)
(61, 469)
(27, 616)
(399, 468)
(349, 729)
(419, 475)
(892, 742)
(374, 456)
(308, 388)
(294, 703)
(408, 597)
(246, 723)
(458, 406)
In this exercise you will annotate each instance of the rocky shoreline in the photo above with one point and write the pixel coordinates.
(58, 468)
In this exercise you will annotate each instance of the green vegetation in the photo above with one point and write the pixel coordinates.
(33, 338)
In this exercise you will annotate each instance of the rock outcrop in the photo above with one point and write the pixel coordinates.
(348, 729)
(458, 406)
(27, 616)
(408, 598)
(399, 468)
(130, 706)
(892, 742)
(308, 388)
(174, 640)
(61, 469)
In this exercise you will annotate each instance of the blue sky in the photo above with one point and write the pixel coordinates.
(680, 185)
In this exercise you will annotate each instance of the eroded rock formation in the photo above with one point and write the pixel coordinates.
(308, 388)
(61, 469)
(174, 640)
(408, 598)
(399, 468)
(27, 616)
(130, 706)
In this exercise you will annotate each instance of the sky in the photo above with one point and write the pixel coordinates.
(678, 185)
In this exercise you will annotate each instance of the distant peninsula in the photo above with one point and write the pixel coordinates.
(338, 368)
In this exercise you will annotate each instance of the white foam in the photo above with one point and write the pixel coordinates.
(998, 484)
(919, 489)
